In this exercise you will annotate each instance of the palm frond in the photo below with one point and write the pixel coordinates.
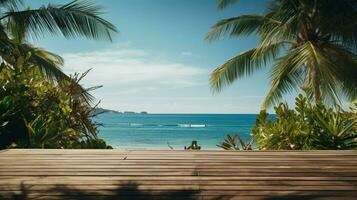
(286, 75)
(235, 26)
(5, 42)
(231, 70)
(236, 143)
(78, 18)
(17, 32)
(344, 11)
(11, 4)
(350, 93)
(221, 4)
(323, 66)
(242, 65)
(321, 63)
(282, 84)
(320, 53)
(341, 63)
(273, 31)
(338, 67)
(77, 91)
(47, 62)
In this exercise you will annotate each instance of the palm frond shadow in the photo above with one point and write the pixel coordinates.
(292, 197)
(124, 191)
(130, 191)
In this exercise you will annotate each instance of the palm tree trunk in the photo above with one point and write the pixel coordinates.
(313, 82)
(316, 85)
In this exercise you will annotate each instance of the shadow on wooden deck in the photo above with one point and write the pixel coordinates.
(131, 191)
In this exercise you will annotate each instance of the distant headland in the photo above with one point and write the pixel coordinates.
(104, 110)
(131, 112)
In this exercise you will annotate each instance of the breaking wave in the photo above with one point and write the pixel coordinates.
(164, 125)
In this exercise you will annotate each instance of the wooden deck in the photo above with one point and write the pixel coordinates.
(117, 174)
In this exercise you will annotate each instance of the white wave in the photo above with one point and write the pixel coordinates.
(184, 125)
(198, 125)
(192, 125)
(135, 124)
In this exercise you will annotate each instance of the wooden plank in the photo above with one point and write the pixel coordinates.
(163, 169)
(149, 192)
(45, 166)
(187, 178)
(203, 174)
(162, 187)
(179, 173)
(18, 182)
(179, 158)
(198, 163)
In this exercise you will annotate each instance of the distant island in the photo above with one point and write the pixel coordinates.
(131, 112)
(103, 110)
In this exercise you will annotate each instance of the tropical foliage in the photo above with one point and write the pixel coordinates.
(194, 146)
(311, 44)
(40, 105)
(35, 113)
(236, 143)
(308, 126)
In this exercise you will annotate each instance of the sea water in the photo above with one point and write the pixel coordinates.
(165, 131)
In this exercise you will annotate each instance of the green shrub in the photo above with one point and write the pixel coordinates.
(236, 143)
(308, 126)
(36, 112)
(194, 146)
(94, 144)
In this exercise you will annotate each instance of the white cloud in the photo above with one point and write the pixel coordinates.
(136, 90)
(137, 80)
(124, 66)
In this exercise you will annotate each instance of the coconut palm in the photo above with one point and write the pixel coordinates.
(311, 44)
(75, 19)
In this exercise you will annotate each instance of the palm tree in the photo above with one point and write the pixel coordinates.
(75, 19)
(311, 43)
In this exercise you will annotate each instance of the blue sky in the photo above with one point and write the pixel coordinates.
(159, 62)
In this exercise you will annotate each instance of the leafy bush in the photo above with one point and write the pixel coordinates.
(236, 143)
(36, 112)
(309, 126)
(94, 144)
(193, 146)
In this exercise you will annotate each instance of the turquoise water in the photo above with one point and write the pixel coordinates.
(156, 131)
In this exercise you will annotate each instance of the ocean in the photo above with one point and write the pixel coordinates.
(159, 131)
